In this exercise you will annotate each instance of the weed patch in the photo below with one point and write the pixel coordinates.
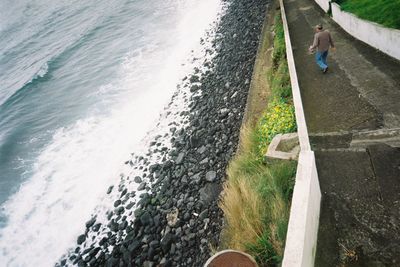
(257, 195)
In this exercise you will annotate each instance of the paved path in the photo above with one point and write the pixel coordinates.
(353, 117)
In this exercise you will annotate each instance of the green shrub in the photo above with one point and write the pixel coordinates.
(279, 42)
(280, 81)
(279, 118)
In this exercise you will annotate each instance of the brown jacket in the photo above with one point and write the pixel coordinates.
(322, 40)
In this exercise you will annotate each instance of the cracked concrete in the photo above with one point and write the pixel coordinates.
(353, 116)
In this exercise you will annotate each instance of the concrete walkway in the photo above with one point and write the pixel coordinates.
(353, 117)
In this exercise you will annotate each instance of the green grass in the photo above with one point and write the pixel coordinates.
(257, 195)
(384, 12)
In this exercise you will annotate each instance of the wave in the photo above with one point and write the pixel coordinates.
(50, 64)
(40, 73)
(71, 174)
(55, 50)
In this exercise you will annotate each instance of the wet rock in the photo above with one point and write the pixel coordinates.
(141, 187)
(130, 205)
(81, 239)
(96, 227)
(117, 203)
(90, 222)
(137, 179)
(119, 210)
(109, 190)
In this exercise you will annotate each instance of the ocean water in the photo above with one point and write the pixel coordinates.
(81, 85)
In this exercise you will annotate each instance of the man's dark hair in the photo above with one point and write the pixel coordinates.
(319, 27)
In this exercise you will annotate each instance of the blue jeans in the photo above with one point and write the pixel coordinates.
(321, 59)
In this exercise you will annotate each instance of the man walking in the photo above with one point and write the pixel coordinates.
(322, 42)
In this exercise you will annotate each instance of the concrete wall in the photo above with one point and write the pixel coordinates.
(304, 215)
(384, 39)
(301, 239)
(324, 4)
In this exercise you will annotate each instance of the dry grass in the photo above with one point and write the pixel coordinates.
(256, 203)
(243, 210)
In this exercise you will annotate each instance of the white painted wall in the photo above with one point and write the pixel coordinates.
(301, 239)
(324, 4)
(298, 104)
(302, 232)
(384, 39)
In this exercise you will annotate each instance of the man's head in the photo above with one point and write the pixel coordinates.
(319, 27)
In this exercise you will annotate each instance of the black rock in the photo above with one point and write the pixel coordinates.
(123, 225)
(166, 242)
(110, 189)
(194, 88)
(154, 167)
(124, 192)
(119, 210)
(90, 222)
(117, 203)
(203, 214)
(81, 239)
(209, 193)
(96, 227)
(157, 220)
(133, 246)
(130, 205)
(141, 187)
(186, 216)
(103, 241)
(194, 78)
(137, 179)
(179, 159)
(154, 243)
(146, 218)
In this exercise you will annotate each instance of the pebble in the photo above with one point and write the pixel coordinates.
(185, 189)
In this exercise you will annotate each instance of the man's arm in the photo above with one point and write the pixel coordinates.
(315, 42)
(331, 41)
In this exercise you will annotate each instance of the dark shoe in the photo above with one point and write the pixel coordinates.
(325, 70)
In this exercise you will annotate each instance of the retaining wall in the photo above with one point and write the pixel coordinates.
(324, 4)
(385, 39)
(301, 239)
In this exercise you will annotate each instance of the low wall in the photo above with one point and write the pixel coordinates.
(301, 239)
(385, 39)
(324, 4)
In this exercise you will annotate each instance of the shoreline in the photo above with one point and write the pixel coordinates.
(178, 219)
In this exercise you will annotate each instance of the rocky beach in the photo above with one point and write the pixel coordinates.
(171, 217)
